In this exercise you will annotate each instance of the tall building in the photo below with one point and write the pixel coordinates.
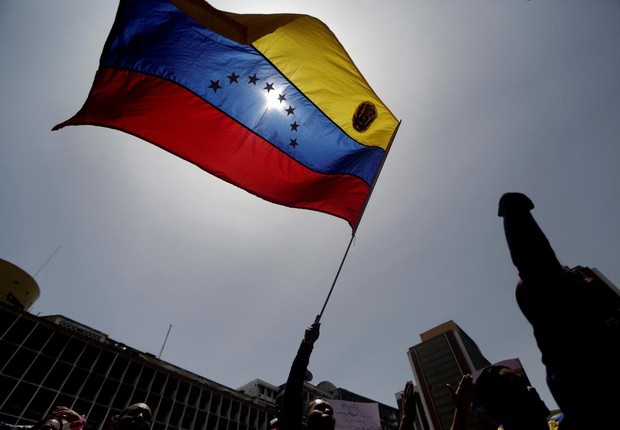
(49, 361)
(596, 279)
(445, 354)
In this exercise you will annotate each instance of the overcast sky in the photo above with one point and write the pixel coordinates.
(494, 96)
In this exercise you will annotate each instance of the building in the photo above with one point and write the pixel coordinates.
(49, 361)
(261, 390)
(597, 280)
(445, 354)
(17, 287)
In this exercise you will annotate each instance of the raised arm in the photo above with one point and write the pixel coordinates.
(462, 398)
(292, 402)
(408, 415)
(75, 420)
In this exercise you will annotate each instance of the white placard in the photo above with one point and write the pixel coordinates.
(355, 415)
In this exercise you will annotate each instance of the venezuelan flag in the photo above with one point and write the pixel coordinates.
(270, 103)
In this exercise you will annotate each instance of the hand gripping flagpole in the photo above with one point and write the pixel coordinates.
(359, 218)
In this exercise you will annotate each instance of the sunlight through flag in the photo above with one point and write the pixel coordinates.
(270, 103)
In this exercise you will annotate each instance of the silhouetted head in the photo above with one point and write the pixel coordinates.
(135, 417)
(48, 423)
(508, 399)
(319, 415)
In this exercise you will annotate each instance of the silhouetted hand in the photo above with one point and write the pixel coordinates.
(69, 415)
(312, 333)
(464, 393)
(410, 397)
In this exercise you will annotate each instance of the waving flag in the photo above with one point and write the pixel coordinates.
(270, 103)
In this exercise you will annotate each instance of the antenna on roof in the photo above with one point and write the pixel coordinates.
(162, 347)
(46, 261)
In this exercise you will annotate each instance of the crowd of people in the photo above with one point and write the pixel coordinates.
(576, 325)
(135, 417)
(575, 322)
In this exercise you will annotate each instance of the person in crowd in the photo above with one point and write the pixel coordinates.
(504, 400)
(137, 416)
(576, 322)
(318, 413)
(53, 421)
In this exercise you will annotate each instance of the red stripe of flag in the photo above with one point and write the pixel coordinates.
(182, 123)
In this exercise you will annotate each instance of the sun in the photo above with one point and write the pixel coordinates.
(274, 95)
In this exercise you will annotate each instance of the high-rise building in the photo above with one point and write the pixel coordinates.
(596, 279)
(445, 354)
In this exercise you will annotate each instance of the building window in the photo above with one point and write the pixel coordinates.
(21, 396)
(204, 399)
(188, 417)
(215, 402)
(19, 363)
(159, 380)
(181, 395)
(38, 337)
(118, 368)
(107, 392)
(234, 411)
(18, 331)
(36, 373)
(88, 357)
(75, 381)
(57, 375)
(104, 362)
(72, 351)
(56, 344)
(225, 407)
(194, 393)
(171, 387)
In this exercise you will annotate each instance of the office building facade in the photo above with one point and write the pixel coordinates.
(445, 354)
(49, 361)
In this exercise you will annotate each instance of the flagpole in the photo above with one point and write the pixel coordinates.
(318, 318)
(372, 187)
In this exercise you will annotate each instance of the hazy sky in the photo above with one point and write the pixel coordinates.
(494, 96)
